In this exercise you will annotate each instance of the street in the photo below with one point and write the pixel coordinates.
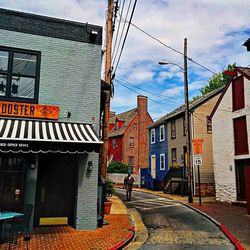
(172, 225)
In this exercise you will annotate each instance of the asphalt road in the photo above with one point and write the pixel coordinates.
(172, 225)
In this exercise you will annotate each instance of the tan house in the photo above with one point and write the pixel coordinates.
(201, 127)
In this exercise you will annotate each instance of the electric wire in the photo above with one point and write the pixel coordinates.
(151, 92)
(125, 38)
(117, 33)
(169, 47)
(123, 28)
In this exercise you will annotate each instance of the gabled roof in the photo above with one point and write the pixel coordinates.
(192, 106)
(126, 117)
(242, 71)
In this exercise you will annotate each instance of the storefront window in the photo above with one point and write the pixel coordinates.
(11, 183)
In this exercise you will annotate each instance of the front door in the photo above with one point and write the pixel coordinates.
(247, 180)
(56, 184)
(241, 165)
(153, 164)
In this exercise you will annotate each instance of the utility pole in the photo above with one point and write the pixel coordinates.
(187, 121)
(107, 92)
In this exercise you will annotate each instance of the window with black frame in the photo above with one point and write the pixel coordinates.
(19, 75)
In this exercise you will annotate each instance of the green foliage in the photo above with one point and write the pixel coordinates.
(217, 80)
(109, 188)
(118, 167)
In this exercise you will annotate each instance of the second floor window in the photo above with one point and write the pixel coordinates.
(173, 156)
(131, 142)
(113, 143)
(184, 126)
(19, 75)
(162, 133)
(152, 136)
(209, 125)
(173, 130)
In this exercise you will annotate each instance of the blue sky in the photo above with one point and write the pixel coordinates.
(215, 31)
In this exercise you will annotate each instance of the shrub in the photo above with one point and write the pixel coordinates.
(118, 167)
(109, 188)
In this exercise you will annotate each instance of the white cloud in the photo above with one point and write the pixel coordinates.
(214, 29)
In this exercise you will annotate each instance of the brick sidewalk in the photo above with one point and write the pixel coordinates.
(231, 216)
(65, 237)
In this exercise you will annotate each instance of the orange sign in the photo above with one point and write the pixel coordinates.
(18, 109)
(197, 146)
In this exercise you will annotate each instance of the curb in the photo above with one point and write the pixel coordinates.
(125, 241)
(221, 226)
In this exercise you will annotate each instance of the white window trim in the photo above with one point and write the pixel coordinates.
(152, 130)
(163, 162)
(162, 126)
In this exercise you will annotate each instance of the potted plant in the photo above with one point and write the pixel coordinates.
(109, 191)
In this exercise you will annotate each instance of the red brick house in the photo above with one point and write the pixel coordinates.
(128, 136)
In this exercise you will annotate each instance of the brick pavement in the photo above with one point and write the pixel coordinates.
(233, 217)
(65, 237)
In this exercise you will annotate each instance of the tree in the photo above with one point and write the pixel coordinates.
(217, 80)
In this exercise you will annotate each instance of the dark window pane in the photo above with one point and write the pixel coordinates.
(24, 64)
(3, 82)
(4, 61)
(23, 87)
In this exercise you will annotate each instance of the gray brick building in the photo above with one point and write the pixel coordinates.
(51, 65)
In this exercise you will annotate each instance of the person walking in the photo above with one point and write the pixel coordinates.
(128, 185)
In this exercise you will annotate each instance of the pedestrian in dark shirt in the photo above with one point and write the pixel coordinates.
(128, 185)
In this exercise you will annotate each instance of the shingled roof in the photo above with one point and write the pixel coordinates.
(180, 110)
(126, 117)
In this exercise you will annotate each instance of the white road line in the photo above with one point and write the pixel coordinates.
(155, 199)
(155, 207)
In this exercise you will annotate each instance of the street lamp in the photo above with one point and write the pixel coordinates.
(187, 121)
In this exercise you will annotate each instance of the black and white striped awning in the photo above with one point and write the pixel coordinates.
(47, 136)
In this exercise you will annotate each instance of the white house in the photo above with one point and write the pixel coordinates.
(231, 138)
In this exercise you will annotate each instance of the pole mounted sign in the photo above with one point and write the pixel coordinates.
(197, 150)
(197, 146)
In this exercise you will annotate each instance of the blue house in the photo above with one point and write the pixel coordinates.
(158, 156)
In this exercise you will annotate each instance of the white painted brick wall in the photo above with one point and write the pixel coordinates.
(223, 144)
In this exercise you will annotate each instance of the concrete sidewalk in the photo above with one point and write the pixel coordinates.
(232, 219)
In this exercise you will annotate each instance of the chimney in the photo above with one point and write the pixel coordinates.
(111, 114)
(142, 104)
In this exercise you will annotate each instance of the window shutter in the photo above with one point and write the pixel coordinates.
(240, 136)
(238, 94)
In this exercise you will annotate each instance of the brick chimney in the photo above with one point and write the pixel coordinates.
(111, 114)
(142, 104)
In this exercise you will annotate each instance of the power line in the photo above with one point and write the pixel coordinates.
(151, 92)
(125, 38)
(169, 47)
(118, 29)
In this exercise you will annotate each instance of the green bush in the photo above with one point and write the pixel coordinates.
(109, 188)
(118, 167)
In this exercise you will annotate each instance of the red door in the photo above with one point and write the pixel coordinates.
(247, 181)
